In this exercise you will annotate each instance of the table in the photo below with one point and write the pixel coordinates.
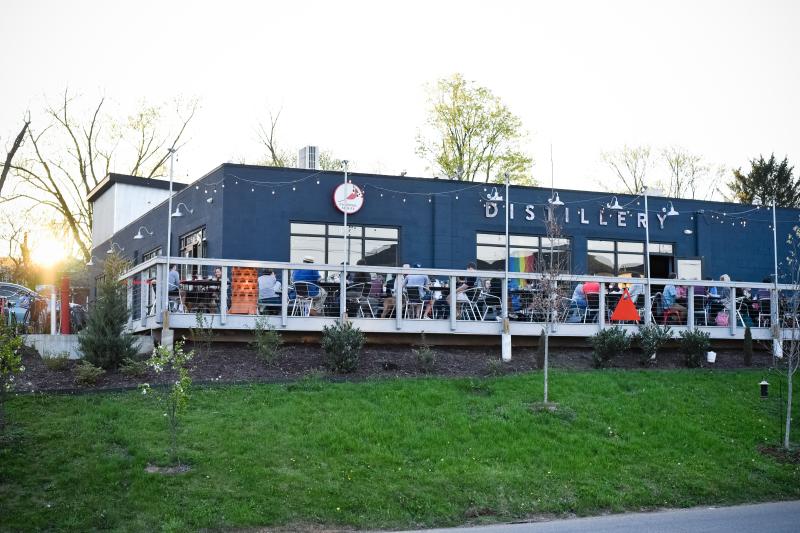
(201, 295)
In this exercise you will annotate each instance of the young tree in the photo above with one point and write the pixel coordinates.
(475, 137)
(767, 179)
(791, 347)
(67, 158)
(104, 342)
(630, 166)
(548, 303)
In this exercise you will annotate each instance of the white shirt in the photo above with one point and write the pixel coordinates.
(267, 286)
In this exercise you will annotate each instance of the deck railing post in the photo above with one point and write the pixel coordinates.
(343, 291)
(453, 302)
(399, 281)
(690, 307)
(223, 296)
(648, 303)
(144, 294)
(733, 316)
(161, 283)
(284, 296)
(601, 316)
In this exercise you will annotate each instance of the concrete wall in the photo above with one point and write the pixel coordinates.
(51, 345)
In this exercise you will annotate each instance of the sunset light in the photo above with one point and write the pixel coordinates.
(48, 251)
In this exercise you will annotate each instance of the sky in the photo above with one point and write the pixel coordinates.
(720, 78)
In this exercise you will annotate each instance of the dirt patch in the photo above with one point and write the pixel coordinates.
(167, 470)
(238, 362)
(781, 454)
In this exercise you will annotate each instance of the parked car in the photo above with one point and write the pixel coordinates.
(18, 300)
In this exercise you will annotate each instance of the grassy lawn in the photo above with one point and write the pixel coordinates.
(395, 453)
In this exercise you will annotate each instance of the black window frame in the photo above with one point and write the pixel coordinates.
(192, 270)
(615, 251)
(540, 248)
(326, 235)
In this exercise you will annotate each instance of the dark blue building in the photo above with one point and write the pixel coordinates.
(283, 214)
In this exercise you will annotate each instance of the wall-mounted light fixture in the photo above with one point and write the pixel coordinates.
(111, 248)
(139, 235)
(179, 213)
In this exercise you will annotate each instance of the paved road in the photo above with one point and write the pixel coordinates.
(781, 517)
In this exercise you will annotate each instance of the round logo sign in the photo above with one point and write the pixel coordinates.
(348, 198)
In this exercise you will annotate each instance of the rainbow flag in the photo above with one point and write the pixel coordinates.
(521, 263)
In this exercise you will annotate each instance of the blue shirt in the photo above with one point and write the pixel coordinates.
(668, 296)
(311, 276)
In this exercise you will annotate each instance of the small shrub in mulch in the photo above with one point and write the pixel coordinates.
(57, 362)
(87, 374)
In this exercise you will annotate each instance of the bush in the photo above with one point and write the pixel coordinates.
(266, 340)
(87, 374)
(10, 364)
(342, 344)
(694, 344)
(104, 342)
(651, 339)
(425, 357)
(203, 332)
(608, 343)
(495, 368)
(748, 346)
(133, 368)
(58, 362)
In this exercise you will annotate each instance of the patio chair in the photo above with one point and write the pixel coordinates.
(592, 311)
(469, 307)
(764, 312)
(304, 294)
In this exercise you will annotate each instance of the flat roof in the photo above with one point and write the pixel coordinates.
(112, 178)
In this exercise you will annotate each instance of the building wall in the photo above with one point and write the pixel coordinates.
(439, 219)
(208, 215)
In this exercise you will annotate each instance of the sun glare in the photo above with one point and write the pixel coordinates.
(47, 251)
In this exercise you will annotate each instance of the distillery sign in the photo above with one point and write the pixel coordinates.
(600, 217)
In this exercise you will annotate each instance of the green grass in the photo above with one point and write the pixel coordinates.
(396, 453)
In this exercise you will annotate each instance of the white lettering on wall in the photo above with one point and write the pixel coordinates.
(661, 219)
(602, 221)
(583, 217)
(641, 220)
(529, 214)
(566, 215)
(621, 219)
(511, 216)
(491, 209)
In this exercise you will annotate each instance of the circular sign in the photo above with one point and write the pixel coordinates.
(348, 198)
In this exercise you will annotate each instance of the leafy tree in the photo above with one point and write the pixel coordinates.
(475, 136)
(59, 164)
(10, 364)
(104, 342)
(767, 179)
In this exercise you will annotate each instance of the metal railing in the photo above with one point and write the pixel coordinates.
(389, 299)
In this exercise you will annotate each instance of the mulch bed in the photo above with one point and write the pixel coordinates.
(781, 454)
(238, 363)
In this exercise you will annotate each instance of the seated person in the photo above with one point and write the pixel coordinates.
(579, 297)
(417, 285)
(591, 287)
(669, 296)
(268, 288)
(360, 279)
(463, 284)
(636, 289)
(315, 292)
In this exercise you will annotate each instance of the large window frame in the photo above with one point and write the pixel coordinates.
(324, 242)
(192, 244)
(622, 254)
(490, 250)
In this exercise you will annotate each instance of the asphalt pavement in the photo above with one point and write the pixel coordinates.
(779, 517)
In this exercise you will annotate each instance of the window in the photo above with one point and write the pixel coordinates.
(616, 258)
(376, 245)
(192, 245)
(525, 251)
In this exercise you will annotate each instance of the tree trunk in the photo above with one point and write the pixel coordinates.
(788, 406)
(10, 156)
(546, 335)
